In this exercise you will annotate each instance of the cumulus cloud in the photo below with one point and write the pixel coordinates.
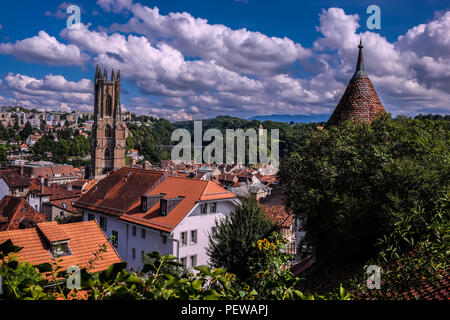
(194, 69)
(238, 50)
(45, 49)
(53, 92)
(411, 75)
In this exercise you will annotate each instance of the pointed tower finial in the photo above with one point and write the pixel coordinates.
(105, 74)
(97, 72)
(118, 74)
(113, 75)
(360, 68)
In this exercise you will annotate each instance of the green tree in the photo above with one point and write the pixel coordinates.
(232, 245)
(350, 185)
(26, 131)
(3, 154)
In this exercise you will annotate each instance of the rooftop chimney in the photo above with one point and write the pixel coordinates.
(41, 179)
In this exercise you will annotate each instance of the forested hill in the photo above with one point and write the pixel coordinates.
(154, 133)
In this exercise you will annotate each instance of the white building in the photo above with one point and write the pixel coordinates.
(147, 211)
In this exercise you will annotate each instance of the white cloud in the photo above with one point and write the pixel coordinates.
(238, 50)
(51, 93)
(194, 69)
(45, 49)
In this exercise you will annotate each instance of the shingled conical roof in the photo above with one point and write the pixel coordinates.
(360, 100)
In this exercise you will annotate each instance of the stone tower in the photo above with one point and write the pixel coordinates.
(108, 132)
(360, 101)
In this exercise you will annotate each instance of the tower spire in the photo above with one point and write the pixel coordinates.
(360, 101)
(105, 74)
(97, 73)
(360, 69)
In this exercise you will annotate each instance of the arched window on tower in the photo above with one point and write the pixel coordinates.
(109, 105)
(108, 154)
(108, 131)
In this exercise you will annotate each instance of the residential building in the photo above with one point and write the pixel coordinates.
(149, 211)
(51, 172)
(17, 213)
(13, 183)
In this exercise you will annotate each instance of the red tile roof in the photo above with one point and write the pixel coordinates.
(15, 211)
(85, 239)
(120, 194)
(192, 191)
(120, 191)
(279, 215)
(14, 179)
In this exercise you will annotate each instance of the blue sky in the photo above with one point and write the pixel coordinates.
(201, 58)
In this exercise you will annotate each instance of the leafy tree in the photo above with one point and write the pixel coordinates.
(232, 244)
(3, 155)
(350, 185)
(160, 279)
(26, 131)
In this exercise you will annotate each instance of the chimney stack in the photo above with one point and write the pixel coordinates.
(41, 179)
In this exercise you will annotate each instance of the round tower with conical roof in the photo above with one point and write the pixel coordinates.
(360, 101)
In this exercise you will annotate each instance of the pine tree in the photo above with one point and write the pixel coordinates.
(230, 246)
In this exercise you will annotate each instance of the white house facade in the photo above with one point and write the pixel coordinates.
(171, 215)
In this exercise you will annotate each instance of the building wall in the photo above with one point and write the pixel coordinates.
(203, 223)
(4, 189)
(34, 201)
(53, 211)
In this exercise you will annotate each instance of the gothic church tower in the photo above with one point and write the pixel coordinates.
(108, 132)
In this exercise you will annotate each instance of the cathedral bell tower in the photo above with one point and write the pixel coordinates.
(108, 132)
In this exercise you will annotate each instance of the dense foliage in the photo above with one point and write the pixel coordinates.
(414, 255)
(69, 144)
(351, 185)
(161, 278)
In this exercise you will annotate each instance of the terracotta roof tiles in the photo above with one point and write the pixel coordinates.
(85, 239)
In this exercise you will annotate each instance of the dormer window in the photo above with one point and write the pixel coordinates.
(163, 207)
(60, 249)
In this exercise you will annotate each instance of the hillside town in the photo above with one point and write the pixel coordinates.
(96, 203)
(170, 207)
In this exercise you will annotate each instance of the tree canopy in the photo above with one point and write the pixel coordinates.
(350, 184)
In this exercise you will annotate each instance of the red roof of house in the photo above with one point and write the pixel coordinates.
(120, 194)
(192, 190)
(15, 211)
(120, 191)
(279, 215)
(14, 179)
(85, 239)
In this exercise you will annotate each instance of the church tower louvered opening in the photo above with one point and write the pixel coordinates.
(108, 132)
(360, 101)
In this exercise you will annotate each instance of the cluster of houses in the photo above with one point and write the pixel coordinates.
(170, 208)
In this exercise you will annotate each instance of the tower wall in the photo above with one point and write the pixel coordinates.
(108, 132)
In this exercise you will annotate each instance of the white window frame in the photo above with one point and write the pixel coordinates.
(185, 242)
(196, 237)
